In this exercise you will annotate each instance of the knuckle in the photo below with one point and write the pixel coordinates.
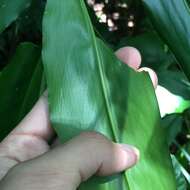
(94, 139)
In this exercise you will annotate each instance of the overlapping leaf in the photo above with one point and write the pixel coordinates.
(176, 82)
(10, 10)
(89, 89)
(171, 18)
(19, 86)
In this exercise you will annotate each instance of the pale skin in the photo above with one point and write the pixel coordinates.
(28, 162)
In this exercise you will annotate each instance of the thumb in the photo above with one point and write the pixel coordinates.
(74, 162)
(85, 155)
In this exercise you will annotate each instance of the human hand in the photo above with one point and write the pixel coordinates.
(30, 163)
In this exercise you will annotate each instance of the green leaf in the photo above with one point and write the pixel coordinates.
(181, 182)
(35, 88)
(183, 152)
(183, 171)
(173, 126)
(176, 82)
(10, 10)
(89, 89)
(19, 86)
(30, 21)
(171, 19)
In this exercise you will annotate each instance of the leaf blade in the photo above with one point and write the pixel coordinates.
(15, 81)
(95, 91)
(171, 20)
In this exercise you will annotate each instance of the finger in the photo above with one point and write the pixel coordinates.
(87, 154)
(152, 75)
(129, 55)
(29, 139)
(36, 123)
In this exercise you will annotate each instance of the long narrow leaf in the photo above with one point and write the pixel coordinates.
(181, 182)
(171, 18)
(89, 89)
(16, 80)
(183, 170)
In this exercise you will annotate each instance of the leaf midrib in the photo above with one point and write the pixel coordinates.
(103, 83)
(101, 73)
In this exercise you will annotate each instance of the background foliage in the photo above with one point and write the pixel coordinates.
(119, 23)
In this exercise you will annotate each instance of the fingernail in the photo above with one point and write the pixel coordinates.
(133, 154)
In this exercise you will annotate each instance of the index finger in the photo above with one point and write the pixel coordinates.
(37, 122)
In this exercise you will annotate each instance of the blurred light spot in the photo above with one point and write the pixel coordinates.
(131, 24)
(91, 2)
(123, 5)
(188, 136)
(131, 17)
(98, 7)
(110, 23)
(103, 18)
(114, 28)
(116, 16)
